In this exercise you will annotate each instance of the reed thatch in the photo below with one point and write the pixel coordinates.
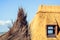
(19, 31)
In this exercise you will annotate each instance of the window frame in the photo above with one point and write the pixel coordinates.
(54, 31)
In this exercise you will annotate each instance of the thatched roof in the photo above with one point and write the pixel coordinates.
(45, 8)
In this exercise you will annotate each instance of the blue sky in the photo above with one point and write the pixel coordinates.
(9, 9)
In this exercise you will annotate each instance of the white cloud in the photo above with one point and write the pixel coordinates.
(5, 22)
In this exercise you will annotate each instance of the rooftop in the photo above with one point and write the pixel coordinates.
(48, 8)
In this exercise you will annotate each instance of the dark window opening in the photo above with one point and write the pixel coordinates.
(51, 30)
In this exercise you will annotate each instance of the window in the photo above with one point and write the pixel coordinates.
(51, 30)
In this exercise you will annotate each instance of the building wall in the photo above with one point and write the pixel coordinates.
(44, 17)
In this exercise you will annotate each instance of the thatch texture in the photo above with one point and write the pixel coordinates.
(19, 31)
(46, 15)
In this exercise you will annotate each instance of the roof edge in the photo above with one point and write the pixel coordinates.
(49, 8)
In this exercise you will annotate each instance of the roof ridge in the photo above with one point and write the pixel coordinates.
(48, 8)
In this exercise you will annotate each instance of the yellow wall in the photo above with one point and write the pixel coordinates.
(45, 15)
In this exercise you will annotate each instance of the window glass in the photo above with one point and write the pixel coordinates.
(50, 27)
(50, 31)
